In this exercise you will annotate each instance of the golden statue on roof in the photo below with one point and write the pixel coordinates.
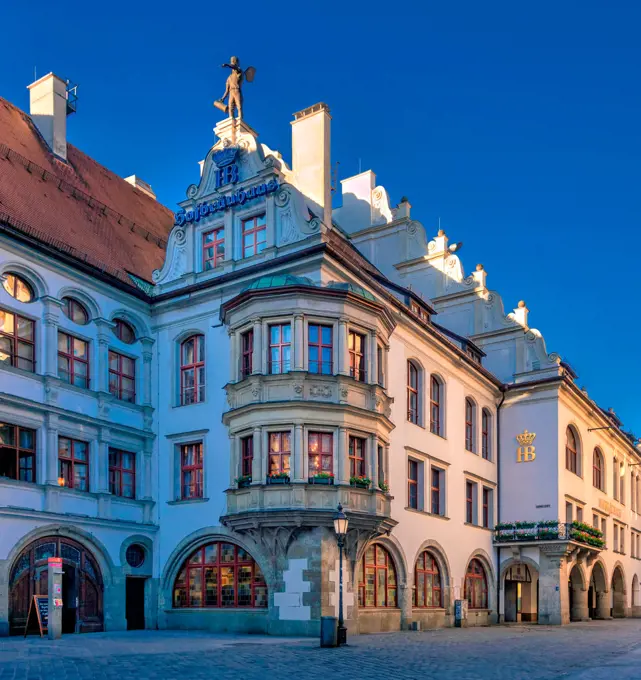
(233, 88)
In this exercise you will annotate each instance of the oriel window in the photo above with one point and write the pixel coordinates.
(356, 350)
(280, 346)
(319, 339)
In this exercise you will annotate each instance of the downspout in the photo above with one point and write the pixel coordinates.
(503, 389)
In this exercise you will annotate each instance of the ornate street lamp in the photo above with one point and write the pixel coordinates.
(340, 527)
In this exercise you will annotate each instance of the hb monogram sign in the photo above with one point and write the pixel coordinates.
(526, 452)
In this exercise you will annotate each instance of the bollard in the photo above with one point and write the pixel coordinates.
(329, 631)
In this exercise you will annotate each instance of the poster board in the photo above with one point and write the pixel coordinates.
(38, 614)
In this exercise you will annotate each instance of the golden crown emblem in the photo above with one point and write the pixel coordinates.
(526, 438)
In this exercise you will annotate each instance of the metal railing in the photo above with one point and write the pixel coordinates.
(548, 531)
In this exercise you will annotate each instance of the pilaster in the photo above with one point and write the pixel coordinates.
(299, 345)
(147, 356)
(343, 457)
(257, 462)
(343, 353)
(298, 454)
(258, 348)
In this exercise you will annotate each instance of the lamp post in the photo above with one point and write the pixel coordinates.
(340, 527)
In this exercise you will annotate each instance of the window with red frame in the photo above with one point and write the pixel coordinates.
(18, 288)
(17, 341)
(476, 586)
(470, 414)
(73, 459)
(122, 377)
(213, 248)
(75, 311)
(320, 450)
(486, 420)
(73, 360)
(427, 581)
(597, 469)
(124, 332)
(435, 491)
(280, 451)
(320, 348)
(487, 500)
(412, 392)
(247, 349)
(17, 452)
(356, 350)
(376, 578)
(254, 235)
(435, 406)
(571, 451)
(469, 502)
(220, 575)
(356, 457)
(247, 456)
(122, 473)
(192, 370)
(191, 471)
(280, 346)
(412, 484)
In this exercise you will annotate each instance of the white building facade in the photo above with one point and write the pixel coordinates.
(185, 400)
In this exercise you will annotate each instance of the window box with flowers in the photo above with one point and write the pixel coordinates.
(322, 478)
(384, 487)
(243, 481)
(360, 481)
(278, 478)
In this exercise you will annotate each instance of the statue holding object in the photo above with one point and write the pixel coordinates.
(233, 88)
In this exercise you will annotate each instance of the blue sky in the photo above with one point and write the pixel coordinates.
(517, 125)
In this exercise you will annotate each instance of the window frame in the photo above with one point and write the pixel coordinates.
(72, 359)
(5, 451)
(413, 483)
(71, 463)
(486, 506)
(325, 451)
(281, 346)
(469, 501)
(69, 304)
(357, 357)
(413, 387)
(434, 571)
(255, 230)
(439, 474)
(357, 466)
(486, 434)
(246, 456)
(571, 453)
(470, 593)
(281, 453)
(17, 278)
(196, 468)
(436, 412)
(117, 471)
(217, 259)
(120, 375)
(246, 353)
(320, 346)
(598, 464)
(120, 325)
(16, 340)
(199, 388)
(470, 425)
(388, 567)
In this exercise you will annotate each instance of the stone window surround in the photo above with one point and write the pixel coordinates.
(477, 511)
(299, 463)
(176, 441)
(430, 462)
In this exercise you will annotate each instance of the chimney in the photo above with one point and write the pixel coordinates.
(310, 156)
(141, 185)
(48, 109)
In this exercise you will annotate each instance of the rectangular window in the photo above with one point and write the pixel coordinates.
(435, 406)
(595, 521)
(632, 545)
(621, 485)
(17, 452)
(379, 365)
(469, 425)
(122, 377)
(437, 506)
(320, 449)
(615, 481)
(191, 471)
(412, 484)
(73, 459)
(579, 514)
(569, 512)
(487, 507)
(247, 456)
(122, 473)
(247, 352)
(356, 349)
(73, 360)
(17, 341)
(356, 457)
(616, 538)
(633, 497)
(622, 539)
(280, 346)
(485, 435)
(604, 527)
(213, 248)
(254, 235)
(280, 451)
(381, 465)
(319, 347)
(469, 502)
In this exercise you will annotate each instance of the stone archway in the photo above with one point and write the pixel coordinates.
(520, 591)
(636, 604)
(598, 594)
(578, 595)
(618, 594)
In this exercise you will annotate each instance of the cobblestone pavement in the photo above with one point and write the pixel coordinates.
(585, 651)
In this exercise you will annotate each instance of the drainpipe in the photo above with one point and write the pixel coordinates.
(503, 389)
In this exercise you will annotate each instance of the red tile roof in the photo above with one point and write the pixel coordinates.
(79, 208)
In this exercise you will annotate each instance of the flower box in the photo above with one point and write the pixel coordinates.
(321, 480)
(361, 483)
(243, 482)
(278, 480)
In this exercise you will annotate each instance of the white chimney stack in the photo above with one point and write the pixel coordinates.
(141, 185)
(311, 157)
(48, 109)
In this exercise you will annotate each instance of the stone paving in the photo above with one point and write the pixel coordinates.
(584, 651)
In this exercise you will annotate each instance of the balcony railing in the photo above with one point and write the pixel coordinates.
(579, 532)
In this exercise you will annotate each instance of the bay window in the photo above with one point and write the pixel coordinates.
(280, 451)
(356, 350)
(280, 347)
(320, 348)
(356, 457)
(320, 449)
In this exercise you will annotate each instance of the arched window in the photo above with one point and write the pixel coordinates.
(486, 434)
(413, 402)
(571, 451)
(376, 578)
(124, 332)
(75, 311)
(427, 582)
(615, 480)
(220, 575)
(470, 425)
(476, 586)
(598, 469)
(17, 287)
(192, 370)
(436, 408)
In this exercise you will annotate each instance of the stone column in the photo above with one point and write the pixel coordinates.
(342, 465)
(370, 358)
(579, 610)
(145, 376)
(102, 461)
(257, 462)
(553, 586)
(234, 459)
(602, 605)
(51, 450)
(374, 357)
(372, 464)
(299, 343)
(100, 380)
(299, 471)
(49, 352)
(343, 354)
(264, 358)
(257, 356)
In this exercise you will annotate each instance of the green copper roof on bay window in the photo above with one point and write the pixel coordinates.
(352, 288)
(278, 281)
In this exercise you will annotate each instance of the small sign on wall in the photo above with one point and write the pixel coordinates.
(525, 453)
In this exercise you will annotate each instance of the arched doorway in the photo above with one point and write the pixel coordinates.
(618, 594)
(521, 585)
(598, 595)
(578, 603)
(81, 584)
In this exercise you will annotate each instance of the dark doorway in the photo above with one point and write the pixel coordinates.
(135, 607)
(69, 599)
